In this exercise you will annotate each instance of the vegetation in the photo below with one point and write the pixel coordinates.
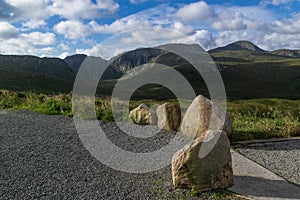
(264, 118)
(194, 193)
(252, 119)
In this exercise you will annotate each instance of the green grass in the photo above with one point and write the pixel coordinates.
(41, 103)
(264, 118)
(252, 119)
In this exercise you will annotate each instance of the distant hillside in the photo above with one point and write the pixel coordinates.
(74, 61)
(247, 71)
(47, 66)
(287, 53)
(238, 46)
(131, 59)
(245, 51)
(46, 75)
(33, 73)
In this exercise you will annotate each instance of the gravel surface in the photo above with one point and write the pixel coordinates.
(282, 158)
(42, 157)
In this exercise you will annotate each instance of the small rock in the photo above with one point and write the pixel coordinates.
(168, 116)
(202, 115)
(142, 115)
(214, 171)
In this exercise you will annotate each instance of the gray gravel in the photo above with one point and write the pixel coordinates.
(42, 157)
(282, 158)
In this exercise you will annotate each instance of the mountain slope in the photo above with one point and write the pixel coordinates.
(247, 71)
(239, 46)
(45, 75)
(243, 51)
(74, 61)
(287, 53)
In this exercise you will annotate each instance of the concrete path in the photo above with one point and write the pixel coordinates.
(255, 181)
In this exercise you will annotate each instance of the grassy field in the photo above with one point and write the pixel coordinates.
(252, 119)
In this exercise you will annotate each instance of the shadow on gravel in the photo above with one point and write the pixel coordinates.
(261, 187)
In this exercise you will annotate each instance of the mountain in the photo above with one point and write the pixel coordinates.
(74, 61)
(33, 73)
(247, 71)
(244, 51)
(131, 59)
(238, 46)
(251, 72)
(47, 66)
(287, 53)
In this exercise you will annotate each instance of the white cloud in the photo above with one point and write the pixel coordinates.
(108, 5)
(101, 50)
(72, 29)
(7, 30)
(275, 2)
(185, 29)
(117, 26)
(279, 41)
(209, 25)
(286, 26)
(152, 36)
(230, 21)
(34, 13)
(94, 51)
(33, 24)
(137, 1)
(38, 38)
(63, 47)
(195, 12)
(202, 37)
(226, 37)
(83, 9)
(63, 55)
(35, 43)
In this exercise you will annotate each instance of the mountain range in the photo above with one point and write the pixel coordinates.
(247, 71)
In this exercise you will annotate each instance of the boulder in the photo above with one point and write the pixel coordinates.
(142, 115)
(168, 116)
(214, 171)
(202, 115)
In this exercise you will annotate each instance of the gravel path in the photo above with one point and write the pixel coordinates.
(42, 157)
(282, 158)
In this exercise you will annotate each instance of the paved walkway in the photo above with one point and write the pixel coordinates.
(255, 181)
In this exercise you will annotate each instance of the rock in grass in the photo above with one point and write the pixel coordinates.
(203, 115)
(142, 115)
(168, 116)
(214, 171)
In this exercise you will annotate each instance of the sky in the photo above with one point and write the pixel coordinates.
(105, 28)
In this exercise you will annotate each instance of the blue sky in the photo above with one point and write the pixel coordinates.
(107, 27)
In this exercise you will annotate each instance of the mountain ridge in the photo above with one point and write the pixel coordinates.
(238, 46)
(248, 71)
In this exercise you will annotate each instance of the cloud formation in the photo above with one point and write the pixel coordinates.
(35, 43)
(7, 30)
(61, 26)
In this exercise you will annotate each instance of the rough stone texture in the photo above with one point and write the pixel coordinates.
(142, 115)
(168, 116)
(203, 115)
(214, 171)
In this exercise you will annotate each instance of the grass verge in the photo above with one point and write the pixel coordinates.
(252, 119)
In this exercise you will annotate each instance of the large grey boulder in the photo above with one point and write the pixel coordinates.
(214, 171)
(142, 115)
(168, 116)
(202, 115)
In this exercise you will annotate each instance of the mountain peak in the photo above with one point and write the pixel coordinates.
(238, 46)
